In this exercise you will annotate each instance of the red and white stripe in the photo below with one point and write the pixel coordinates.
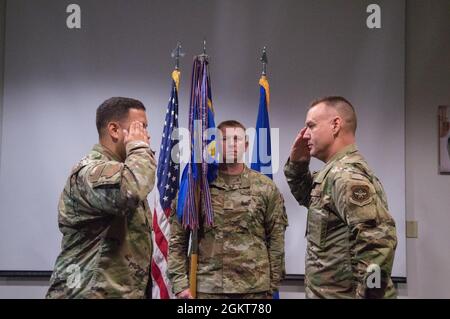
(162, 288)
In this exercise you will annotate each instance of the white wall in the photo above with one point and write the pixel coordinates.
(2, 60)
(53, 74)
(427, 193)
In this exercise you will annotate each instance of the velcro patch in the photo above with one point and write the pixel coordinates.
(101, 174)
(95, 173)
(111, 170)
(228, 204)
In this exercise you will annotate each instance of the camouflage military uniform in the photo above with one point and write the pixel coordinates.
(348, 229)
(106, 226)
(243, 253)
(257, 295)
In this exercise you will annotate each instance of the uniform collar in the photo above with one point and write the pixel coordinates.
(349, 149)
(352, 148)
(103, 151)
(243, 178)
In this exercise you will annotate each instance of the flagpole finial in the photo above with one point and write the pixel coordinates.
(204, 55)
(177, 54)
(264, 61)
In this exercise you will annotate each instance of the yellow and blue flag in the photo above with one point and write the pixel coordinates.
(262, 150)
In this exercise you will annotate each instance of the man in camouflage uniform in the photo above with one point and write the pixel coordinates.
(242, 255)
(103, 211)
(351, 236)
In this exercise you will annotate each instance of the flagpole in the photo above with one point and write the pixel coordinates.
(194, 207)
(194, 250)
(264, 62)
(263, 82)
(194, 230)
(165, 190)
(177, 54)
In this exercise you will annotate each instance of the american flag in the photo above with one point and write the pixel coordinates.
(167, 180)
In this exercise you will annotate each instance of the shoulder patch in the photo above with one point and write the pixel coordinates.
(360, 194)
(95, 173)
(101, 174)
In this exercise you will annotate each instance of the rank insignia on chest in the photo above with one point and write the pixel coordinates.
(228, 204)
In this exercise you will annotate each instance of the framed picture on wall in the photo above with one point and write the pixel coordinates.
(444, 139)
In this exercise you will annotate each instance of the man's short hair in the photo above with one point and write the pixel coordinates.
(231, 123)
(343, 107)
(115, 109)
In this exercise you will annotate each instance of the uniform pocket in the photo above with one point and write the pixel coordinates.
(237, 213)
(317, 225)
(316, 194)
(217, 199)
